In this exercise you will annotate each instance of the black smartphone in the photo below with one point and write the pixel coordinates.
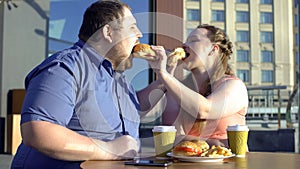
(145, 162)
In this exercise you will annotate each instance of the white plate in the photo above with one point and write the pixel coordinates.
(199, 159)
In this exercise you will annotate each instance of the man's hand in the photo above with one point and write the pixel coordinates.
(124, 147)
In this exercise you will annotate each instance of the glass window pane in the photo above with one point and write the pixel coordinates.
(266, 17)
(242, 1)
(243, 75)
(242, 16)
(297, 57)
(217, 0)
(64, 25)
(266, 1)
(266, 56)
(218, 15)
(267, 76)
(266, 37)
(192, 14)
(242, 56)
(242, 36)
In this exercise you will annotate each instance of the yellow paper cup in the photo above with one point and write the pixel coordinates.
(237, 139)
(164, 137)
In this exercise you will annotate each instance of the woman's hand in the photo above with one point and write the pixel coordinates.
(161, 63)
(171, 67)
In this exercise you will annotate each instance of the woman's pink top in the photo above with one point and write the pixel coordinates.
(216, 128)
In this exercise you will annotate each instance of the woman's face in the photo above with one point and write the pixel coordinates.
(199, 47)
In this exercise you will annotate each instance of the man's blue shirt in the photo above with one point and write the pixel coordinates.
(76, 89)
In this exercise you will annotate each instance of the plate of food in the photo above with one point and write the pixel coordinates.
(200, 151)
(198, 159)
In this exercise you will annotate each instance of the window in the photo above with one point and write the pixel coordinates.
(192, 14)
(242, 1)
(266, 56)
(242, 56)
(296, 20)
(64, 26)
(218, 15)
(243, 75)
(266, 1)
(296, 58)
(266, 17)
(266, 37)
(242, 36)
(242, 16)
(217, 0)
(297, 39)
(266, 76)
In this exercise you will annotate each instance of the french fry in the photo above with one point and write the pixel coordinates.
(216, 151)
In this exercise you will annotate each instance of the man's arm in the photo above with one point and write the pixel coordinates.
(62, 143)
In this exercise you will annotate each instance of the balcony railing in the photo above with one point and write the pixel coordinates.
(266, 104)
(270, 103)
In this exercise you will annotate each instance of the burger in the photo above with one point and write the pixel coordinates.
(176, 55)
(202, 144)
(190, 148)
(144, 51)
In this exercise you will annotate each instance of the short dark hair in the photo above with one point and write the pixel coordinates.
(99, 14)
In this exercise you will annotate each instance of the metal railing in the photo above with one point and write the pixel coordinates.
(270, 103)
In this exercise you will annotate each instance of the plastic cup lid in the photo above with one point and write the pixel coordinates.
(238, 128)
(164, 129)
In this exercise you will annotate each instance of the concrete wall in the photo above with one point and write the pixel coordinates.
(23, 43)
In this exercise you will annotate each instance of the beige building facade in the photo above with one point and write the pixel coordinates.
(264, 33)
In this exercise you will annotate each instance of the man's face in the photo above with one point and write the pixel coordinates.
(124, 38)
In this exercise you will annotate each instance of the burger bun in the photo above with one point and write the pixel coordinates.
(143, 51)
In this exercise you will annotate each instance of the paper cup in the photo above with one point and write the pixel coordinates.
(237, 139)
(164, 137)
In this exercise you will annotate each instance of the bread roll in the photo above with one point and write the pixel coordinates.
(143, 51)
(176, 55)
(201, 144)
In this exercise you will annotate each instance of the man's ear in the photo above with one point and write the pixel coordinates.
(107, 33)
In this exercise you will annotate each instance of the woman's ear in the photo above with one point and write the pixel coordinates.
(215, 48)
(107, 33)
